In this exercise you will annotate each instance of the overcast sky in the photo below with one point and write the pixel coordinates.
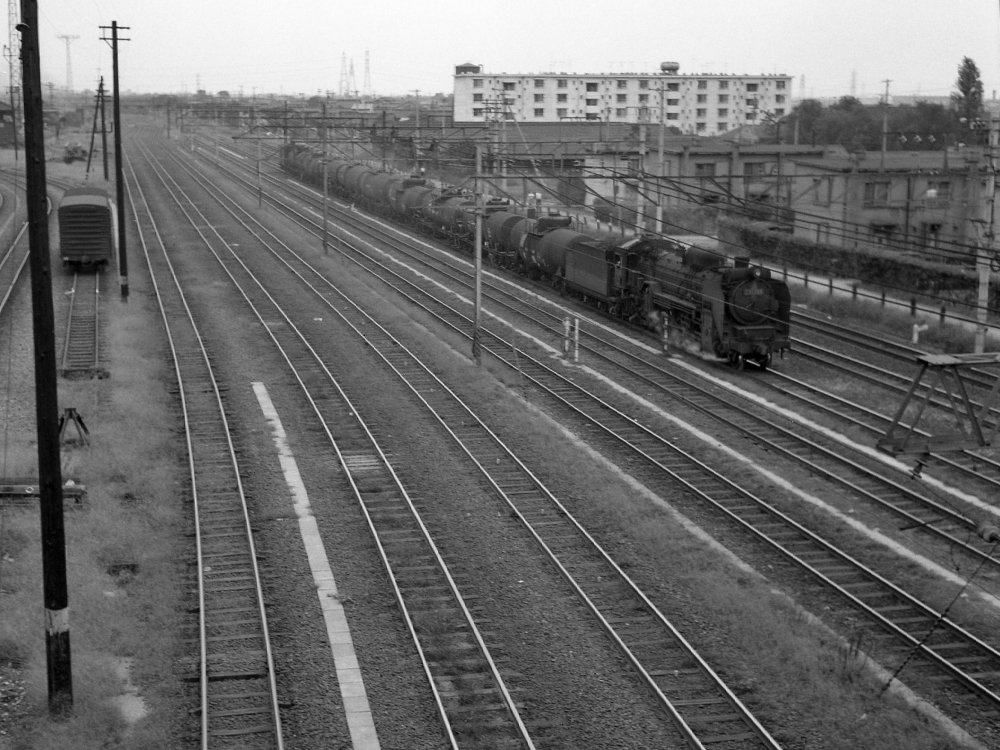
(296, 46)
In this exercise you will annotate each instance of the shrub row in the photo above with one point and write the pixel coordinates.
(885, 268)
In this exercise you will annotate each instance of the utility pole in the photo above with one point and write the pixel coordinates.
(104, 129)
(68, 39)
(885, 122)
(480, 208)
(119, 176)
(93, 131)
(60, 679)
(987, 247)
(326, 210)
(660, 195)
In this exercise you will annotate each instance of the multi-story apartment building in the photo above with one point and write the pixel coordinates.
(706, 104)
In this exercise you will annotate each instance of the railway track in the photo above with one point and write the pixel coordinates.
(81, 354)
(895, 613)
(474, 703)
(702, 707)
(912, 628)
(234, 669)
(643, 371)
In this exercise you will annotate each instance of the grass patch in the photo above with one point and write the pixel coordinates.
(890, 321)
(122, 550)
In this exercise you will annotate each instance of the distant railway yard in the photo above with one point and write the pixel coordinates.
(309, 507)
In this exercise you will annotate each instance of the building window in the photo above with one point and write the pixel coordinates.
(723, 113)
(752, 86)
(938, 190)
(540, 112)
(644, 113)
(723, 84)
(621, 112)
(508, 85)
(560, 97)
(876, 193)
(477, 83)
(561, 83)
(644, 84)
(751, 115)
(702, 84)
(561, 112)
(673, 87)
(643, 98)
(780, 99)
(751, 102)
(779, 112)
(700, 112)
(722, 127)
(591, 87)
(477, 97)
(780, 85)
(672, 102)
(704, 169)
(622, 83)
(822, 191)
(700, 127)
(477, 112)
(672, 116)
(591, 115)
(723, 98)
(702, 98)
(621, 98)
(592, 102)
(753, 169)
(539, 97)
(539, 83)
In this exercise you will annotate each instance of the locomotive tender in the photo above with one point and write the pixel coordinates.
(87, 220)
(737, 311)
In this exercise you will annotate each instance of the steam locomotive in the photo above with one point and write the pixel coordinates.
(735, 309)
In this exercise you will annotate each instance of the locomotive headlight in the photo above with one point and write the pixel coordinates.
(757, 272)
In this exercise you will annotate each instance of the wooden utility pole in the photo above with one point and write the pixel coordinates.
(104, 129)
(93, 130)
(660, 188)
(119, 173)
(480, 207)
(885, 123)
(60, 679)
(987, 246)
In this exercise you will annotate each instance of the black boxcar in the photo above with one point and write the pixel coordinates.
(87, 227)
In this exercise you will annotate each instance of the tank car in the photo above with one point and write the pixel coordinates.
(734, 309)
(87, 220)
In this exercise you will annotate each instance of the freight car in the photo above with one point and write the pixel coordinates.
(734, 309)
(87, 221)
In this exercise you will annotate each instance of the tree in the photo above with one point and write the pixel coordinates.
(968, 100)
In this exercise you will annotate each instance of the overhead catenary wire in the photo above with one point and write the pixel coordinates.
(447, 156)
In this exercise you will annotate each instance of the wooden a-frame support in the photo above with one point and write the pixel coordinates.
(973, 429)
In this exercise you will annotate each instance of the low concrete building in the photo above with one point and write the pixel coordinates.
(930, 202)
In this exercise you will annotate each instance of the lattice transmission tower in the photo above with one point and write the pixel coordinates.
(366, 92)
(342, 89)
(11, 52)
(68, 39)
